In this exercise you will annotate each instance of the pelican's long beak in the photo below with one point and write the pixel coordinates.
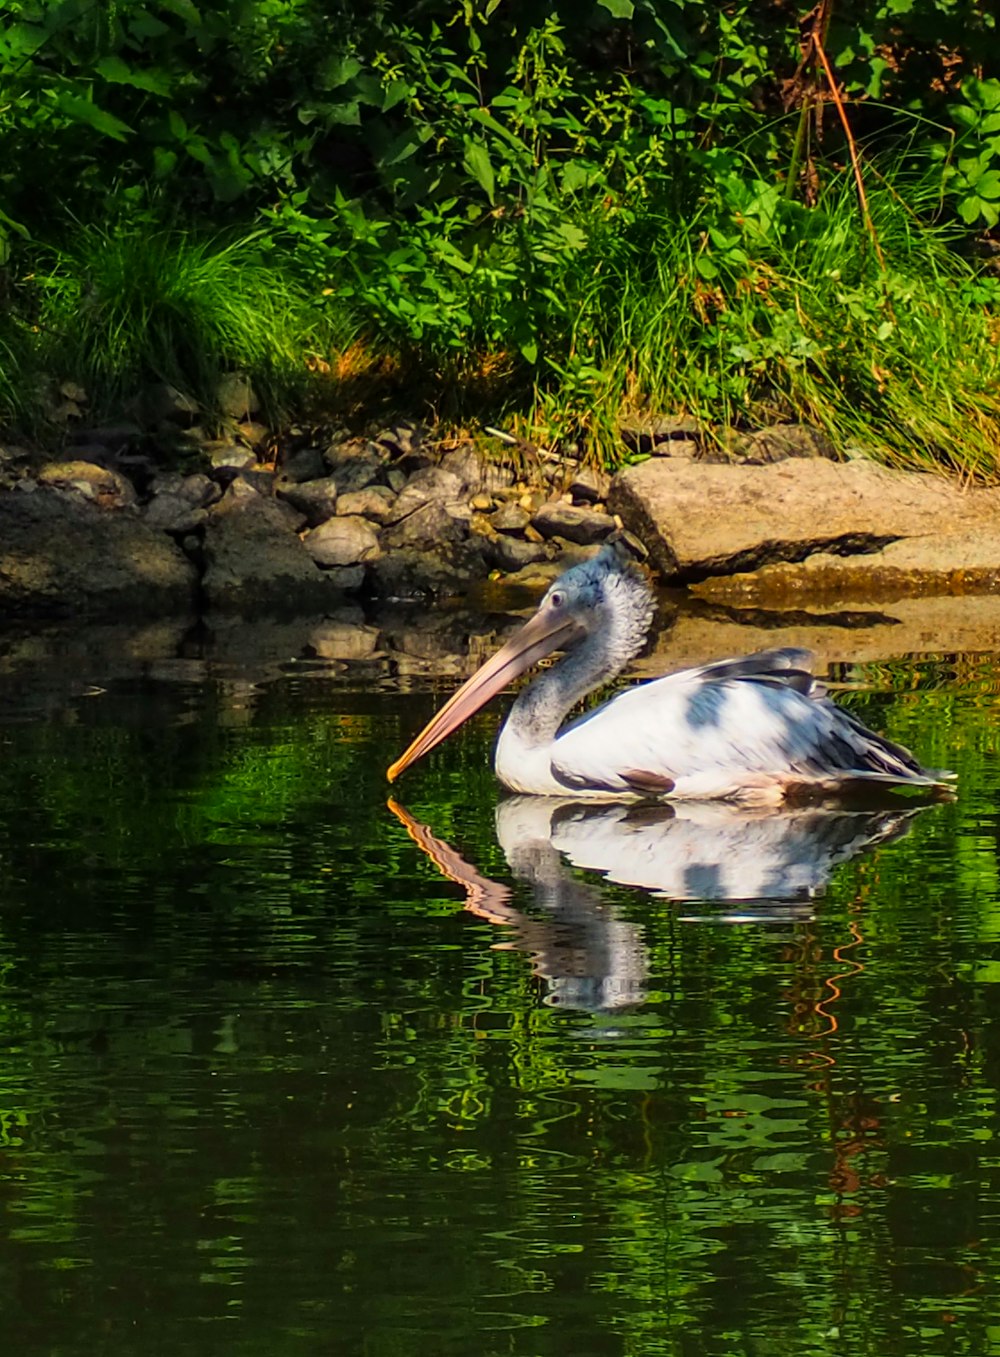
(545, 632)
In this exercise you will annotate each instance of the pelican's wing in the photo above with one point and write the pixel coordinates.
(752, 729)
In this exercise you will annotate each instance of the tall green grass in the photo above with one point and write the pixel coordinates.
(125, 306)
(782, 312)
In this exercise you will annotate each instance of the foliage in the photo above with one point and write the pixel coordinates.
(474, 188)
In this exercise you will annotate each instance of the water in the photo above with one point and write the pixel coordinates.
(288, 1070)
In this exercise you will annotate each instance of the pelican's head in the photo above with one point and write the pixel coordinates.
(605, 598)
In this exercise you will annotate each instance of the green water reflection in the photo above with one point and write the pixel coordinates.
(273, 1082)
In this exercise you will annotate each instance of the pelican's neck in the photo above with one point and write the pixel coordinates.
(540, 708)
(524, 750)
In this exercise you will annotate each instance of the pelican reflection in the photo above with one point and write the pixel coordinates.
(768, 865)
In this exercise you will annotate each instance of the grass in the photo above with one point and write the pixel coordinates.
(740, 308)
(124, 307)
(784, 313)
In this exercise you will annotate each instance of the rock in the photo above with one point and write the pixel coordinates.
(412, 574)
(73, 391)
(649, 435)
(108, 489)
(589, 486)
(374, 502)
(225, 456)
(342, 541)
(354, 464)
(59, 554)
(335, 640)
(510, 519)
(476, 472)
(701, 520)
(255, 562)
(235, 396)
(317, 500)
(162, 403)
(395, 478)
(174, 514)
(782, 441)
(254, 435)
(197, 491)
(401, 440)
(260, 479)
(948, 563)
(427, 527)
(305, 464)
(482, 503)
(241, 494)
(510, 553)
(579, 525)
(429, 484)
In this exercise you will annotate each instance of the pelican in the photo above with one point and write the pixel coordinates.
(757, 730)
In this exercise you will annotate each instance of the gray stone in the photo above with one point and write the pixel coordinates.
(701, 520)
(235, 396)
(427, 527)
(579, 525)
(782, 441)
(230, 457)
(395, 478)
(336, 640)
(174, 514)
(400, 439)
(429, 484)
(375, 502)
(511, 519)
(61, 555)
(354, 464)
(649, 435)
(255, 562)
(476, 471)
(317, 500)
(510, 553)
(107, 488)
(342, 541)
(305, 464)
(241, 494)
(589, 486)
(411, 574)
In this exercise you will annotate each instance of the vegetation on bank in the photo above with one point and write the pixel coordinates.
(553, 216)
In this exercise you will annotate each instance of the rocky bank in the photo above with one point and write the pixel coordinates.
(775, 524)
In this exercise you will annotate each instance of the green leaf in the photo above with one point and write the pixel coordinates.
(529, 351)
(988, 185)
(116, 72)
(477, 162)
(618, 9)
(84, 111)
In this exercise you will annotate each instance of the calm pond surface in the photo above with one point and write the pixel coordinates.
(286, 1069)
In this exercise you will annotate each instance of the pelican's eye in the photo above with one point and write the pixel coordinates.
(557, 599)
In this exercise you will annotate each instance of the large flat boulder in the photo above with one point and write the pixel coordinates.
(965, 562)
(702, 520)
(63, 555)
